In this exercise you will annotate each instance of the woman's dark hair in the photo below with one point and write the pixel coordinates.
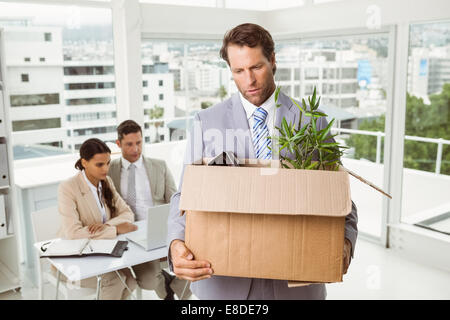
(88, 150)
(250, 35)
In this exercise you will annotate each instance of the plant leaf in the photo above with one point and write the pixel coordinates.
(312, 166)
(277, 92)
(298, 106)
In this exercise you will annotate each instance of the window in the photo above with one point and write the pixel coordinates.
(48, 36)
(95, 130)
(86, 101)
(25, 100)
(24, 125)
(329, 89)
(312, 73)
(90, 116)
(297, 92)
(24, 77)
(87, 86)
(296, 73)
(145, 97)
(86, 70)
(350, 76)
(145, 83)
(78, 88)
(309, 89)
(349, 87)
(329, 73)
(349, 73)
(182, 77)
(426, 158)
(283, 74)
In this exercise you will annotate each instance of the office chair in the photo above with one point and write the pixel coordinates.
(45, 224)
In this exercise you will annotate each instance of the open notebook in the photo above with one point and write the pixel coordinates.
(82, 247)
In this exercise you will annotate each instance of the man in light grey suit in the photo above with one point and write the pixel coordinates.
(143, 183)
(232, 126)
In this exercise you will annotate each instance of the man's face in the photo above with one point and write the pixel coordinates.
(131, 145)
(252, 72)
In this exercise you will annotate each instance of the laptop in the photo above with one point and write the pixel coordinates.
(155, 235)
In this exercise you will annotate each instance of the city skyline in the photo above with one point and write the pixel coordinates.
(195, 74)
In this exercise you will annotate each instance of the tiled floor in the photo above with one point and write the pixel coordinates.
(375, 273)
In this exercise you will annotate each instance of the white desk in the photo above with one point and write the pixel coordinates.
(76, 269)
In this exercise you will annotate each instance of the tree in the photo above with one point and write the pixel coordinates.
(431, 121)
(157, 113)
(206, 104)
(222, 92)
(365, 146)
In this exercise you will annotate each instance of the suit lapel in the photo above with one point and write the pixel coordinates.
(242, 132)
(89, 198)
(150, 175)
(240, 123)
(116, 167)
(284, 111)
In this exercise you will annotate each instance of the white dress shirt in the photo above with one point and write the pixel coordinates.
(268, 105)
(144, 199)
(96, 192)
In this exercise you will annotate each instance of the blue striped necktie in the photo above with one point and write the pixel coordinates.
(260, 133)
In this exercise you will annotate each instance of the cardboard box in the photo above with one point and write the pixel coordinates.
(259, 222)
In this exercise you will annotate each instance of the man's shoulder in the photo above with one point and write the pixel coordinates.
(216, 110)
(160, 163)
(115, 162)
(114, 165)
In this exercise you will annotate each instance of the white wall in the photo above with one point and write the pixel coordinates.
(52, 84)
(350, 14)
(179, 21)
(19, 38)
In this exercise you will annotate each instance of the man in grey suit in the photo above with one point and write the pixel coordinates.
(143, 183)
(236, 125)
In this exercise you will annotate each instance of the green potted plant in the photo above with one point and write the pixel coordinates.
(312, 149)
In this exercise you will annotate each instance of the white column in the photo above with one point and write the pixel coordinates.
(127, 57)
(397, 122)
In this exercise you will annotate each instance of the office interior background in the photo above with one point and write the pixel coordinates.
(72, 70)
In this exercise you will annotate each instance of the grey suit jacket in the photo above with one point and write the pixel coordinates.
(162, 184)
(224, 127)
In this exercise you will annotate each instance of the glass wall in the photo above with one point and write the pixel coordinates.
(426, 159)
(351, 75)
(60, 75)
(179, 79)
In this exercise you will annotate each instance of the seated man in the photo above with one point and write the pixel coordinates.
(144, 182)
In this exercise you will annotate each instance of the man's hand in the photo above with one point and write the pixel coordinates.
(184, 265)
(347, 253)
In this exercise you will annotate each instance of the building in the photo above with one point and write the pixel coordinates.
(159, 99)
(89, 98)
(428, 71)
(37, 106)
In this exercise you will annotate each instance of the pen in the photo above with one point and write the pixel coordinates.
(90, 248)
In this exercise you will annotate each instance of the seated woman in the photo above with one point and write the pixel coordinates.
(90, 207)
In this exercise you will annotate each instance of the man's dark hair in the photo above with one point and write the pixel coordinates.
(250, 35)
(126, 127)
